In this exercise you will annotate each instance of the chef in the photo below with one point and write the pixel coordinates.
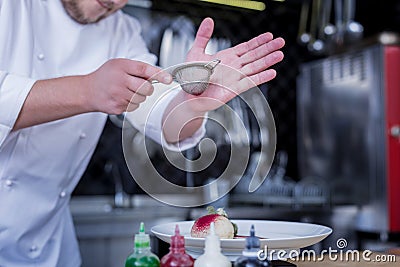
(65, 65)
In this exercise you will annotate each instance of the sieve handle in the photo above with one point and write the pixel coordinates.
(212, 64)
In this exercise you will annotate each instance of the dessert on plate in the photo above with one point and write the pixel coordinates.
(224, 228)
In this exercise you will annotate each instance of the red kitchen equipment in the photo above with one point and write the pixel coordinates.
(349, 130)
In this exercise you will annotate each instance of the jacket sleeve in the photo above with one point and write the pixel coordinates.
(13, 91)
(137, 47)
(148, 117)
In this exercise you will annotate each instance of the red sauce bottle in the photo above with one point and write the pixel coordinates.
(177, 256)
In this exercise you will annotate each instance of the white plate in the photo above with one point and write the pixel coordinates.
(276, 235)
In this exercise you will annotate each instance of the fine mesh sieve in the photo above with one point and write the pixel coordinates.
(194, 77)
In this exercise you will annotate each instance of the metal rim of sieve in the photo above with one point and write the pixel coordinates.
(208, 66)
(203, 84)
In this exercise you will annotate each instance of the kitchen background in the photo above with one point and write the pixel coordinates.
(310, 181)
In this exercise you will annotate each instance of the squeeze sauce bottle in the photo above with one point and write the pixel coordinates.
(250, 254)
(142, 255)
(212, 256)
(177, 256)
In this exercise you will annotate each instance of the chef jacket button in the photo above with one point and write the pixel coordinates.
(9, 183)
(63, 194)
(33, 248)
(82, 136)
(40, 56)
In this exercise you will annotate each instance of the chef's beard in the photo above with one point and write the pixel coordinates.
(76, 13)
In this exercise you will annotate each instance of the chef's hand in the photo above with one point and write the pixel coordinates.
(117, 86)
(242, 67)
(120, 85)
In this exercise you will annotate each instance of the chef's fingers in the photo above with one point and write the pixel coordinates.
(135, 102)
(146, 71)
(139, 86)
(262, 51)
(137, 99)
(203, 35)
(256, 79)
(263, 63)
(245, 47)
(132, 107)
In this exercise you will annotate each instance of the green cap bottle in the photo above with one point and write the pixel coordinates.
(142, 255)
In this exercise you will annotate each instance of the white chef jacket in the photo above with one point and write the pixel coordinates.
(41, 165)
